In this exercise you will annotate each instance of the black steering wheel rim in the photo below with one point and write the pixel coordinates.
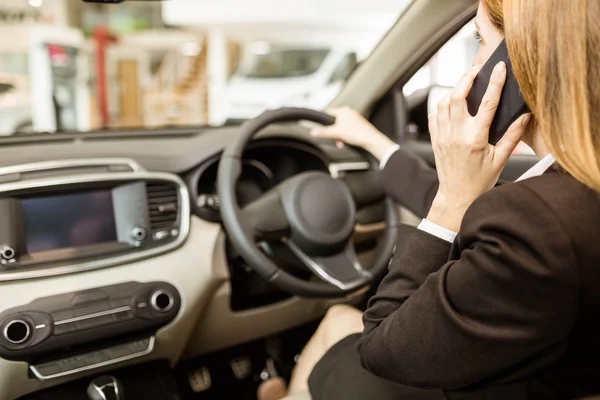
(241, 236)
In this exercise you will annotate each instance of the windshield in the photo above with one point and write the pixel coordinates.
(77, 66)
(283, 63)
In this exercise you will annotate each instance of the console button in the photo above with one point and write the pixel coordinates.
(91, 296)
(72, 363)
(138, 233)
(7, 253)
(140, 346)
(48, 369)
(121, 351)
(76, 362)
(160, 235)
(95, 358)
(17, 331)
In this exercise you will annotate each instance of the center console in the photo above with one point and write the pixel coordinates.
(125, 315)
(69, 216)
(66, 217)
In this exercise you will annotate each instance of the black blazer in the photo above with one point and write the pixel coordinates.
(410, 181)
(511, 310)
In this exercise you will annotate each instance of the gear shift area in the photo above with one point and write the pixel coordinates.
(105, 388)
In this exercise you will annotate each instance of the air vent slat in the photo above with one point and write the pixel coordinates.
(163, 205)
(162, 199)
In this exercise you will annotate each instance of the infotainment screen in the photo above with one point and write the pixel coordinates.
(69, 220)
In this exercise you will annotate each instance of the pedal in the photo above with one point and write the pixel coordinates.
(269, 371)
(200, 380)
(241, 367)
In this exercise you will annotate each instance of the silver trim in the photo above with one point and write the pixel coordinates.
(27, 333)
(114, 384)
(184, 218)
(93, 315)
(142, 353)
(138, 233)
(154, 298)
(40, 326)
(336, 168)
(72, 163)
(100, 391)
(322, 273)
(4, 249)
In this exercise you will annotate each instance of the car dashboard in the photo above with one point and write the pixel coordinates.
(118, 256)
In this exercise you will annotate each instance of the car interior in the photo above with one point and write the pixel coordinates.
(224, 259)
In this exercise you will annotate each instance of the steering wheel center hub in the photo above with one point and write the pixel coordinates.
(320, 210)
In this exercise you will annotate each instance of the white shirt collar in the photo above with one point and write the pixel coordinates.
(539, 168)
(445, 234)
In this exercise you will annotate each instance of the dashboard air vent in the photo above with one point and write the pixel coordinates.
(163, 204)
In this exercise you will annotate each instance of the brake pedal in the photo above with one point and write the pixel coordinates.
(241, 367)
(269, 371)
(200, 380)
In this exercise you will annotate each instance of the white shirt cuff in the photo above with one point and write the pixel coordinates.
(437, 231)
(387, 155)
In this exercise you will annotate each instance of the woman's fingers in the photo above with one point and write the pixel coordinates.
(511, 138)
(327, 132)
(491, 98)
(458, 97)
(432, 119)
(443, 114)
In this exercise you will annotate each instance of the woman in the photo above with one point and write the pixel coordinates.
(497, 295)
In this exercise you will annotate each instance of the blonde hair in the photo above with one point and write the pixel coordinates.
(554, 47)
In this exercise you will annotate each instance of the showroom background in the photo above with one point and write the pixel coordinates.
(78, 66)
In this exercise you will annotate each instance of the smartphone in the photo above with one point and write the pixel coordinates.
(512, 104)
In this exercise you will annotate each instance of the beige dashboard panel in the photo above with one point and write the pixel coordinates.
(220, 328)
(189, 268)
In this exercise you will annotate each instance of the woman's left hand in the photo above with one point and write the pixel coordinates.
(467, 165)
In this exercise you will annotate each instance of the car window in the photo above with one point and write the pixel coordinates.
(344, 68)
(444, 70)
(448, 65)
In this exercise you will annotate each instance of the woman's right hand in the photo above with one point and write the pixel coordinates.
(352, 128)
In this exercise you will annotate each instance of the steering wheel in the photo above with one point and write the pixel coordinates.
(312, 213)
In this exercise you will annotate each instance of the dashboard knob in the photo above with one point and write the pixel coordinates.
(210, 201)
(162, 301)
(138, 233)
(7, 252)
(17, 331)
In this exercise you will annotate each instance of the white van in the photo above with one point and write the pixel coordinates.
(277, 75)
